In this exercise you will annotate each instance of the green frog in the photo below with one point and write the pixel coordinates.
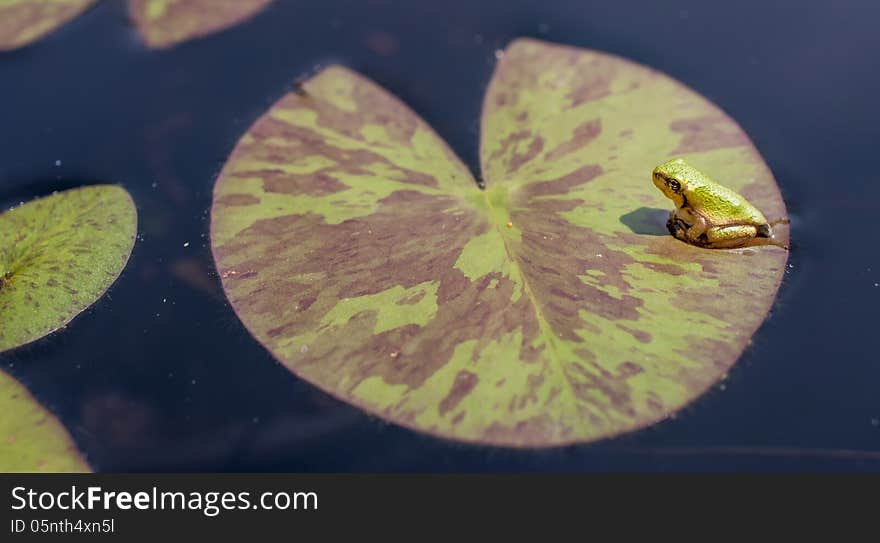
(707, 214)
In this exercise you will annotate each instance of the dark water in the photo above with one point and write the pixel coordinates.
(160, 374)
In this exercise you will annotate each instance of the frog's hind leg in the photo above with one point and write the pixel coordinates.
(728, 237)
(740, 235)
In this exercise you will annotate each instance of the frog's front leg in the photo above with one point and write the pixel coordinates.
(677, 226)
(687, 226)
(697, 228)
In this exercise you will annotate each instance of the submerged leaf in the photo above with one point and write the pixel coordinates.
(164, 23)
(26, 21)
(550, 308)
(58, 255)
(31, 438)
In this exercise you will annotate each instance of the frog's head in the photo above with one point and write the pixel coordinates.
(671, 178)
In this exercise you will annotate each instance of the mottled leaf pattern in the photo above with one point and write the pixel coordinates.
(31, 438)
(164, 23)
(26, 21)
(550, 308)
(58, 255)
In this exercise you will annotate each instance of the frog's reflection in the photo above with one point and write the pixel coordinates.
(647, 221)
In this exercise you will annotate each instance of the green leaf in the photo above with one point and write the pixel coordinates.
(551, 308)
(31, 438)
(25, 21)
(58, 255)
(164, 23)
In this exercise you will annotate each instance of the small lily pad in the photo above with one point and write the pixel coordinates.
(549, 308)
(31, 438)
(26, 21)
(164, 23)
(58, 255)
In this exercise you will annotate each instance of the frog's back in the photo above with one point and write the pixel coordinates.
(724, 206)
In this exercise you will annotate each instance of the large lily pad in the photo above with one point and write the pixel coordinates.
(164, 23)
(58, 255)
(31, 438)
(550, 308)
(26, 21)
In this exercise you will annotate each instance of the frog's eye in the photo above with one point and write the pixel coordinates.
(673, 185)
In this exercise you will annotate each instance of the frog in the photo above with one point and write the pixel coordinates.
(708, 214)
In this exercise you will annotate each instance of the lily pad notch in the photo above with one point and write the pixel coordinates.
(358, 249)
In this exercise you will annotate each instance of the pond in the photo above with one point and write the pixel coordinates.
(160, 374)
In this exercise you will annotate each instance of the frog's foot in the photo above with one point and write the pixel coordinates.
(766, 240)
(767, 237)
